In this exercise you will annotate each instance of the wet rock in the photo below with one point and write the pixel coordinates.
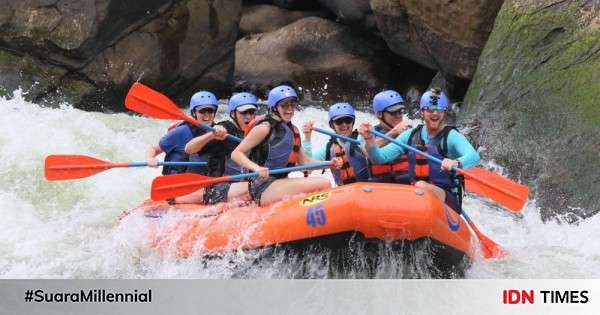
(266, 18)
(297, 4)
(326, 59)
(177, 47)
(443, 35)
(355, 12)
(534, 99)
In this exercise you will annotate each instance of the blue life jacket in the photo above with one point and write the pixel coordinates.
(279, 148)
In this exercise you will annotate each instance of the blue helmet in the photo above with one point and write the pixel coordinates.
(240, 100)
(203, 99)
(280, 93)
(341, 109)
(385, 99)
(434, 98)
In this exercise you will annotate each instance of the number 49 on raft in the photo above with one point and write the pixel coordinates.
(316, 216)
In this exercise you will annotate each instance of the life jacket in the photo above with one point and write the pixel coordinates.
(222, 164)
(180, 156)
(355, 165)
(395, 171)
(421, 168)
(281, 146)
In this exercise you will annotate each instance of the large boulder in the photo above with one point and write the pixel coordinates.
(318, 55)
(534, 99)
(102, 46)
(443, 35)
(355, 12)
(265, 18)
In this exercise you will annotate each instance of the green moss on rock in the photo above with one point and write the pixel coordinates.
(536, 98)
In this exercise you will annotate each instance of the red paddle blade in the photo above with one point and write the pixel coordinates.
(489, 248)
(144, 100)
(171, 186)
(504, 191)
(68, 166)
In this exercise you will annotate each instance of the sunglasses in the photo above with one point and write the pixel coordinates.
(248, 112)
(205, 111)
(432, 109)
(288, 104)
(396, 112)
(344, 120)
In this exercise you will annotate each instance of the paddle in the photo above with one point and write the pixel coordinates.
(70, 166)
(500, 189)
(144, 100)
(335, 135)
(470, 184)
(171, 186)
(489, 248)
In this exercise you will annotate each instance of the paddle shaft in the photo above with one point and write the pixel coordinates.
(434, 159)
(281, 170)
(333, 134)
(209, 128)
(113, 165)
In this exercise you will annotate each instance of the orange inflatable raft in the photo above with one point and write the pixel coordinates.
(388, 213)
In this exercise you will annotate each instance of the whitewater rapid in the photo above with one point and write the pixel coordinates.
(69, 229)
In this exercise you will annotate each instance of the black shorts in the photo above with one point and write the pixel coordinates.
(216, 193)
(258, 185)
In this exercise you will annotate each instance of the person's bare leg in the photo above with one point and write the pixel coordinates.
(291, 186)
(238, 191)
(437, 191)
(195, 197)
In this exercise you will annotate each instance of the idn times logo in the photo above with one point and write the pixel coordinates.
(513, 296)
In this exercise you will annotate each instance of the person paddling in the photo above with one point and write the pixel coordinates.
(389, 108)
(438, 140)
(217, 148)
(274, 142)
(355, 165)
(203, 106)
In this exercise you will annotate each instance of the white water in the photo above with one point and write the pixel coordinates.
(69, 229)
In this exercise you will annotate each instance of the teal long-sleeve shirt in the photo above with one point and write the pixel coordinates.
(317, 155)
(459, 149)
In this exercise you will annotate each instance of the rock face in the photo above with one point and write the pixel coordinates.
(265, 18)
(92, 50)
(535, 100)
(356, 12)
(314, 53)
(444, 35)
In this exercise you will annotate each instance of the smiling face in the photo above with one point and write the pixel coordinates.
(245, 117)
(205, 115)
(286, 109)
(343, 125)
(393, 118)
(434, 119)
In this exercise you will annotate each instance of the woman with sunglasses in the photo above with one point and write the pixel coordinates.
(217, 148)
(274, 142)
(389, 108)
(355, 167)
(203, 106)
(437, 139)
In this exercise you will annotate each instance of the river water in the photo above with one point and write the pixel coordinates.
(69, 229)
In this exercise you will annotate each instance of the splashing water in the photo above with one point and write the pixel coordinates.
(69, 229)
